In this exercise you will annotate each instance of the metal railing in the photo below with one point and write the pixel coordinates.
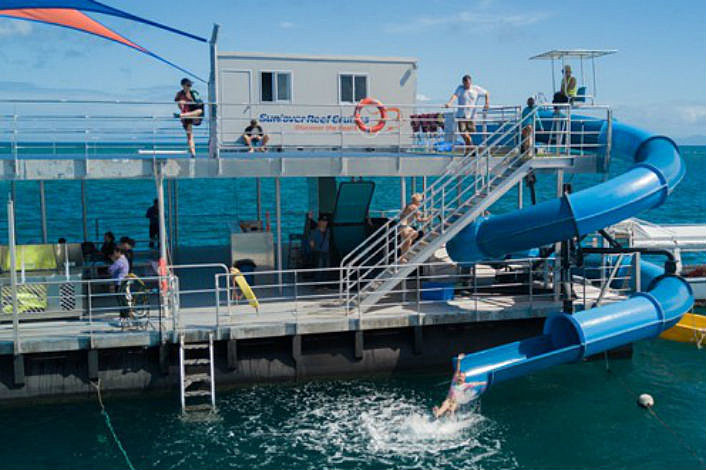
(486, 290)
(76, 129)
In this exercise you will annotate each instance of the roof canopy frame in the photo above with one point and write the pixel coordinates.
(581, 55)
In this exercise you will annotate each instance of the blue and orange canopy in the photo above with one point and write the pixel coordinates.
(68, 13)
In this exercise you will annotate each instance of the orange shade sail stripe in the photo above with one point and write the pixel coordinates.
(71, 19)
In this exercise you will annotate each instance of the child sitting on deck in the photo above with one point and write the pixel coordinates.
(457, 392)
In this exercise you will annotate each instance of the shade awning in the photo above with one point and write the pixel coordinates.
(573, 54)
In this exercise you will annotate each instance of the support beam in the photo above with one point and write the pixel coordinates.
(162, 265)
(92, 364)
(18, 370)
(84, 211)
(170, 230)
(520, 195)
(164, 358)
(258, 190)
(43, 211)
(176, 213)
(403, 192)
(278, 215)
(13, 273)
(232, 354)
(297, 353)
(418, 346)
(358, 346)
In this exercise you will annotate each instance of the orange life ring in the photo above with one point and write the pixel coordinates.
(359, 122)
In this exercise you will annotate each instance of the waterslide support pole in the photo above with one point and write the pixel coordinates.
(520, 195)
(43, 211)
(278, 210)
(568, 304)
(13, 273)
(558, 247)
(84, 211)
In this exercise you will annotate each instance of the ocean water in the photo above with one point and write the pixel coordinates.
(579, 416)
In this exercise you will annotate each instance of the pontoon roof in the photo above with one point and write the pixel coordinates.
(573, 53)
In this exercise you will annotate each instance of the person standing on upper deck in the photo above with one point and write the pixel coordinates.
(191, 111)
(467, 96)
(568, 84)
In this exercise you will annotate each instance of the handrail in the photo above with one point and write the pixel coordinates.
(428, 205)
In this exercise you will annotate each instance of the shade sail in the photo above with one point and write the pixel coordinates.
(64, 15)
(88, 5)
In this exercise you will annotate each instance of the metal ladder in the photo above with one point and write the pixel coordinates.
(462, 193)
(196, 375)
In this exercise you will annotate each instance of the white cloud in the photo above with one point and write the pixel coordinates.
(421, 97)
(286, 24)
(675, 119)
(10, 27)
(478, 21)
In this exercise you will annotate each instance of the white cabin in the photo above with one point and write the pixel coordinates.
(309, 100)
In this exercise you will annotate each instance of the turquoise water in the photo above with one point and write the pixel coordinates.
(578, 416)
(573, 416)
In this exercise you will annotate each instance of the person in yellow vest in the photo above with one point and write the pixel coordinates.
(568, 84)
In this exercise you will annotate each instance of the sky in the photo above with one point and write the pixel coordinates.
(656, 80)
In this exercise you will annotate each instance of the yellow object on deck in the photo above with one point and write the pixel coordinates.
(690, 329)
(242, 283)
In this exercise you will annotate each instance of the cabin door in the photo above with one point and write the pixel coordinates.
(234, 105)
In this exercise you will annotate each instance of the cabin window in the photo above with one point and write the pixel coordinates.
(275, 87)
(353, 88)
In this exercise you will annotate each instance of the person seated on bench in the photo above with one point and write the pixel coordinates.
(254, 135)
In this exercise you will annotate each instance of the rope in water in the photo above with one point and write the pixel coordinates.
(109, 424)
(651, 410)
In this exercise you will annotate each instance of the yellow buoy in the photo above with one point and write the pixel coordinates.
(245, 288)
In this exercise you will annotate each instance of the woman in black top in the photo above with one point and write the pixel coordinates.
(191, 111)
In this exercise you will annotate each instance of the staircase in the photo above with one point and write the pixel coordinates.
(198, 390)
(461, 194)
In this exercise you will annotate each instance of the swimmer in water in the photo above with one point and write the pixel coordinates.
(456, 390)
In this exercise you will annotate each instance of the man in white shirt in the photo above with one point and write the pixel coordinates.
(467, 96)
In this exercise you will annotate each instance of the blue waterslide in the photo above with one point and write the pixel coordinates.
(568, 338)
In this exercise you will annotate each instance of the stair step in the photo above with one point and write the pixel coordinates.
(197, 362)
(198, 393)
(196, 346)
(196, 378)
(199, 407)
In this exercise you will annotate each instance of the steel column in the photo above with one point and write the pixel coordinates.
(43, 211)
(159, 187)
(176, 212)
(13, 273)
(278, 215)
(84, 211)
(403, 191)
(258, 190)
